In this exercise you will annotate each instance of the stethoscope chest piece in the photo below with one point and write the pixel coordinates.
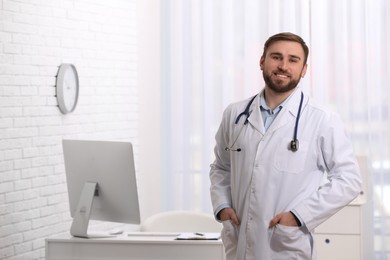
(294, 145)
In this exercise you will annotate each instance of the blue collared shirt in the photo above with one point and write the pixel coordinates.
(267, 114)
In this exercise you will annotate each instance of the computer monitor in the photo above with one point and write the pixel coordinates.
(101, 183)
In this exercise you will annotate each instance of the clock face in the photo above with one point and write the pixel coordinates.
(67, 88)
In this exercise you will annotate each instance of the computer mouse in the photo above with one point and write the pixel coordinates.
(116, 231)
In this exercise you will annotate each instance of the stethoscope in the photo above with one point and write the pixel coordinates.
(294, 144)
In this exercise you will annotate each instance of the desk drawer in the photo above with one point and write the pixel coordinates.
(337, 247)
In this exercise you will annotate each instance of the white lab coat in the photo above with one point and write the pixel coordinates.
(266, 178)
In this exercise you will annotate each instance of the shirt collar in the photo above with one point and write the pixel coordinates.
(263, 105)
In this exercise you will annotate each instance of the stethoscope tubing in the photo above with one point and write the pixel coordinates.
(298, 116)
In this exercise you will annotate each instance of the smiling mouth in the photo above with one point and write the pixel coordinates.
(282, 76)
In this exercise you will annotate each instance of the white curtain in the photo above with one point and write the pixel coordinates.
(210, 54)
(350, 72)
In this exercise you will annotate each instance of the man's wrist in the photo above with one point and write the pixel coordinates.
(219, 209)
(296, 219)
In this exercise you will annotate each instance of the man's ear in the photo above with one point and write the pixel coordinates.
(304, 69)
(261, 63)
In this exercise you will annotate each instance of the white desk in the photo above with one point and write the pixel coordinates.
(133, 247)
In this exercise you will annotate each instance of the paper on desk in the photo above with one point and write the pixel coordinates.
(198, 236)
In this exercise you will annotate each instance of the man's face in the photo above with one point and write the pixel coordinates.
(283, 66)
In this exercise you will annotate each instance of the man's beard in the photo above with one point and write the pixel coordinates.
(278, 88)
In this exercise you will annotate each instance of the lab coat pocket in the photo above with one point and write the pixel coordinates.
(229, 237)
(290, 243)
(288, 161)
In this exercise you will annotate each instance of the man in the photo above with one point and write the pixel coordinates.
(272, 152)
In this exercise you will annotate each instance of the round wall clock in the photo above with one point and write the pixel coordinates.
(67, 88)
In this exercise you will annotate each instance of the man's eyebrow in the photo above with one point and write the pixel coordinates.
(295, 57)
(280, 54)
(276, 53)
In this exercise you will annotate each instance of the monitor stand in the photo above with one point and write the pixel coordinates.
(81, 217)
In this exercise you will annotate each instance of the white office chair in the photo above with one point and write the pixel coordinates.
(181, 221)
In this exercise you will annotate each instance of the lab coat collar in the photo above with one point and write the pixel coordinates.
(255, 118)
(292, 104)
(288, 112)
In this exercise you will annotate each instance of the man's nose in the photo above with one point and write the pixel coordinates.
(282, 64)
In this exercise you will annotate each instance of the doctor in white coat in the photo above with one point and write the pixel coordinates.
(267, 178)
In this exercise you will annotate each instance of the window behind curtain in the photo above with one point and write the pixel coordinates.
(210, 56)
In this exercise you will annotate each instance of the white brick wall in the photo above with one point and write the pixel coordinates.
(36, 36)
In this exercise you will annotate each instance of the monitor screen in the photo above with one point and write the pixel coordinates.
(101, 183)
